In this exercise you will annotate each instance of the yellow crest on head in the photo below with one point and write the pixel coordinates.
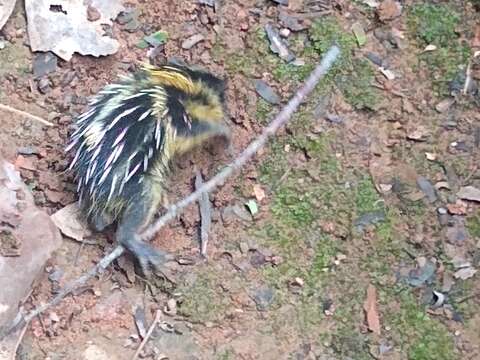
(170, 76)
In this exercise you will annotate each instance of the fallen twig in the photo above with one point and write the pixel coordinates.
(468, 74)
(97, 269)
(149, 333)
(26, 114)
(282, 118)
(205, 215)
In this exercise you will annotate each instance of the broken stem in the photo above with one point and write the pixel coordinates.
(26, 114)
(205, 215)
(69, 288)
(148, 334)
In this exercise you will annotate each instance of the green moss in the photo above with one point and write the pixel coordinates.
(357, 86)
(436, 24)
(422, 337)
(291, 72)
(226, 355)
(203, 300)
(348, 342)
(264, 110)
(15, 58)
(327, 32)
(473, 225)
(445, 64)
(293, 206)
(354, 76)
(367, 199)
(433, 24)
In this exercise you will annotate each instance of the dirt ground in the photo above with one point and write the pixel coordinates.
(362, 190)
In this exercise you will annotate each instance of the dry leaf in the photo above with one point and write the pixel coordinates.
(6, 9)
(295, 5)
(389, 74)
(465, 273)
(371, 3)
(469, 193)
(442, 185)
(23, 162)
(70, 222)
(389, 9)
(431, 156)
(68, 30)
(476, 38)
(430, 48)
(459, 208)
(259, 192)
(371, 311)
(418, 134)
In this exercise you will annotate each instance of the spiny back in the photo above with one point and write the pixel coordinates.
(118, 138)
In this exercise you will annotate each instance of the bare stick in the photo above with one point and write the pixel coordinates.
(26, 114)
(281, 119)
(149, 333)
(97, 269)
(205, 215)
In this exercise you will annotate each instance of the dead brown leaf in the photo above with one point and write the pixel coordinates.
(469, 193)
(371, 311)
(476, 38)
(26, 163)
(259, 192)
(295, 5)
(71, 223)
(459, 208)
(389, 10)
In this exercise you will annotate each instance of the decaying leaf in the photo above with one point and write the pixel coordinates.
(389, 74)
(64, 28)
(469, 193)
(359, 33)
(259, 192)
(252, 206)
(430, 48)
(371, 3)
(389, 9)
(6, 9)
(71, 223)
(459, 208)
(465, 273)
(418, 134)
(371, 311)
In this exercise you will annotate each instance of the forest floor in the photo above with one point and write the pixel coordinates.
(363, 190)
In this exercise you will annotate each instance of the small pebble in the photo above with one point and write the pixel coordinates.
(284, 32)
(442, 211)
(192, 41)
(44, 85)
(374, 58)
(266, 92)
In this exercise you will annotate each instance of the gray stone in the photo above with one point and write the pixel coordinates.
(37, 238)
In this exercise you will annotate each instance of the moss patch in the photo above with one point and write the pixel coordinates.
(436, 25)
(203, 300)
(473, 225)
(423, 338)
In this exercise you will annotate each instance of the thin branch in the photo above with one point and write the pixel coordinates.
(26, 114)
(281, 119)
(94, 271)
(205, 215)
(149, 333)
